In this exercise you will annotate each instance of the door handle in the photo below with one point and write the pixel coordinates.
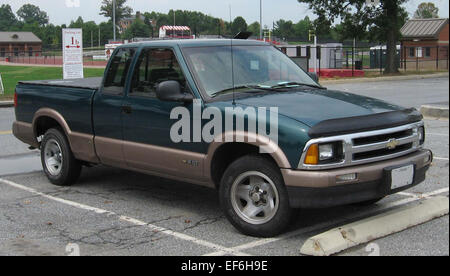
(127, 109)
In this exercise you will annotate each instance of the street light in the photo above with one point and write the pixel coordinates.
(260, 20)
(114, 19)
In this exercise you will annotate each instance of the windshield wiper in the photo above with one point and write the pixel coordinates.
(291, 84)
(277, 87)
(231, 89)
(228, 90)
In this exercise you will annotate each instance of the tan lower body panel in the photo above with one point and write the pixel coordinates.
(159, 161)
(365, 173)
(82, 146)
(164, 162)
(25, 133)
(110, 151)
(178, 163)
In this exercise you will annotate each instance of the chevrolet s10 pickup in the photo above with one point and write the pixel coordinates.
(161, 109)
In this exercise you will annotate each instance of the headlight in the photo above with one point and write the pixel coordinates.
(324, 153)
(421, 132)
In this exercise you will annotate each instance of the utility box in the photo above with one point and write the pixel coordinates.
(378, 56)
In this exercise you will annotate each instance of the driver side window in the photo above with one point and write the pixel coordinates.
(153, 67)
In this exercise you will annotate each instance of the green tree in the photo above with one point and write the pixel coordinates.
(8, 19)
(284, 29)
(254, 28)
(384, 20)
(122, 11)
(239, 25)
(32, 14)
(322, 27)
(197, 21)
(78, 23)
(137, 29)
(426, 10)
(302, 28)
(106, 31)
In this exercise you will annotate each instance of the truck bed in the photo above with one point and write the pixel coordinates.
(87, 83)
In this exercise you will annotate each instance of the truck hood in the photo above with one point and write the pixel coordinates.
(311, 107)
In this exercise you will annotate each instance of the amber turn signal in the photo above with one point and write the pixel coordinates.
(312, 156)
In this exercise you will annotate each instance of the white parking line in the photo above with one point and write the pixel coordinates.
(441, 158)
(437, 134)
(425, 195)
(152, 227)
(413, 197)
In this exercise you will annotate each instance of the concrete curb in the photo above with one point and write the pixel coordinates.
(391, 78)
(366, 230)
(4, 104)
(434, 112)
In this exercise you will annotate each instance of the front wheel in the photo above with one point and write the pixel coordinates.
(254, 197)
(57, 159)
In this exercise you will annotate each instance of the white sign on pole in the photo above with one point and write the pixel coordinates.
(2, 89)
(72, 53)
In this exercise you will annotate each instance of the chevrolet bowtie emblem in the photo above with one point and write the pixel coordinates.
(392, 144)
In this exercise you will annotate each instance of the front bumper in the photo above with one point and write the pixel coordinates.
(320, 189)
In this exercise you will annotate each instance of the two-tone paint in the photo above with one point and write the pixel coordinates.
(100, 132)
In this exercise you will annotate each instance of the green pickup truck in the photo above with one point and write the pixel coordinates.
(325, 148)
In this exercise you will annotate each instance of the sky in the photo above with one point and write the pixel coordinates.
(62, 11)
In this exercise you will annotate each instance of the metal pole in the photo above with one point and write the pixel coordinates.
(114, 19)
(315, 58)
(381, 60)
(260, 20)
(231, 22)
(99, 36)
(173, 31)
(437, 57)
(353, 58)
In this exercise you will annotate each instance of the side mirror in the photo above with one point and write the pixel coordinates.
(314, 76)
(170, 91)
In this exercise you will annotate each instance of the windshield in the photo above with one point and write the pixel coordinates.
(254, 66)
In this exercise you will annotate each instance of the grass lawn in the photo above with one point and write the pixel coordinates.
(13, 74)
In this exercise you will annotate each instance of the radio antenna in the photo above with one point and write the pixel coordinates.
(232, 59)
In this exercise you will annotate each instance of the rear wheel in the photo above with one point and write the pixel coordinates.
(58, 162)
(254, 197)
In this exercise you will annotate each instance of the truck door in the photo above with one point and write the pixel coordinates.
(146, 127)
(108, 109)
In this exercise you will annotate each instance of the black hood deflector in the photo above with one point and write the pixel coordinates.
(378, 121)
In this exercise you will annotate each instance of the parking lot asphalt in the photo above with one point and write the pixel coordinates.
(116, 212)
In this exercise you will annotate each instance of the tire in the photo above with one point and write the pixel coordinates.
(58, 162)
(368, 202)
(256, 181)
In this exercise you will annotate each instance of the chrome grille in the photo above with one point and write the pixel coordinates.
(371, 146)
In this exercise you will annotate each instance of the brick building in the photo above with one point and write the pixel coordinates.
(425, 43)
(125, 23)
(15, 44)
